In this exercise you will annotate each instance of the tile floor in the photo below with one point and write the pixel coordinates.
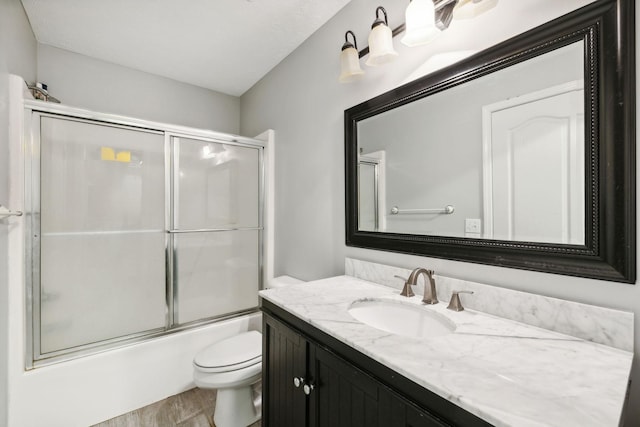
(193, 408)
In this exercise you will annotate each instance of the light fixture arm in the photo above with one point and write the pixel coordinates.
(379, 21)
(348, 44)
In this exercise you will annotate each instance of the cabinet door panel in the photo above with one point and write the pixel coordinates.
(344, 396)
(284, 358)
(391, 411)
(342, 402)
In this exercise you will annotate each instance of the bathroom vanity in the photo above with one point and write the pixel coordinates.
(322, 367)
(312, 379)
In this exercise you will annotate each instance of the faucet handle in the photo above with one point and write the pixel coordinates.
(406, 290)
(455, 303)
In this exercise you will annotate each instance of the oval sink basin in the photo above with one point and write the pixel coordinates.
(401, 319)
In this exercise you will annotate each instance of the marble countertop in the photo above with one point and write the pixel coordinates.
(505, 372)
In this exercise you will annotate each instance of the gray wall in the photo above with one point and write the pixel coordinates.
(302, 100)
(85, 82)
(18, 56)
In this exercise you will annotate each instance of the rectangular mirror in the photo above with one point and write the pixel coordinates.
(505, 152)
(520, 156)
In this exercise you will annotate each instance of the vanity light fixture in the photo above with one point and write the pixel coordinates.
(420, 21)
(423, 20)
(467, 9)
(381, 48)
(350, 60)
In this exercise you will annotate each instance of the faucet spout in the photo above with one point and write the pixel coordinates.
(430, 295)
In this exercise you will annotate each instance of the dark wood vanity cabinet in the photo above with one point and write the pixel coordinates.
(306, 382)
(339, 394)
(347, 397)
(284, 357)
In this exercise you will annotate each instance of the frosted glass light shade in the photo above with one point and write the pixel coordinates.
(420, 23)
(468, 9)
(381, 48)
(349, 65)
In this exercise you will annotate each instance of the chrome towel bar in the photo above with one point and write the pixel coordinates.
(4, 212)
(449, 209)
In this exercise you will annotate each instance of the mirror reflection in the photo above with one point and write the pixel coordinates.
(500, 157)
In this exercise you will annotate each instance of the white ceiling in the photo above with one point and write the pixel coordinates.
(223, 45)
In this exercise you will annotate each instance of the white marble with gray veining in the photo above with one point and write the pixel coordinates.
(598, 324)
(507, 373)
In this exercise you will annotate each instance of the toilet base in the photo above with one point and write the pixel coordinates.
(235, 407)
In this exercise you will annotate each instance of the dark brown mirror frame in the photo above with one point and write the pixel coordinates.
(607, 28)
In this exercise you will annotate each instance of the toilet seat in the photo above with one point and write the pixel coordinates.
(231, 354)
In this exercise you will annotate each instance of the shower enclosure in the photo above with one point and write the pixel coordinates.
(136, 229)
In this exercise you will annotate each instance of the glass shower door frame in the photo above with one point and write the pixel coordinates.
(173, 230)
(32, 141)
(33, 293)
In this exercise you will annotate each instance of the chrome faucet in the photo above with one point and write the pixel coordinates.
(430, 296)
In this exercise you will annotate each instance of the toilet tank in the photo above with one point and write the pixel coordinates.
(280, 281)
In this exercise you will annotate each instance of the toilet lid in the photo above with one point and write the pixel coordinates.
(236, 352)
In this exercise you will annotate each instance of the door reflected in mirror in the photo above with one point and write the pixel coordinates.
(500, 157)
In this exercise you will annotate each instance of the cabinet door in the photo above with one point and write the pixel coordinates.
(344, 396)
(284, 358)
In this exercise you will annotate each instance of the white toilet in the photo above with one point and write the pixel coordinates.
(232, 366)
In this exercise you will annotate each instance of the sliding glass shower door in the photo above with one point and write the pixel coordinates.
(216, 228)
(136, 233)
(102, 233)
